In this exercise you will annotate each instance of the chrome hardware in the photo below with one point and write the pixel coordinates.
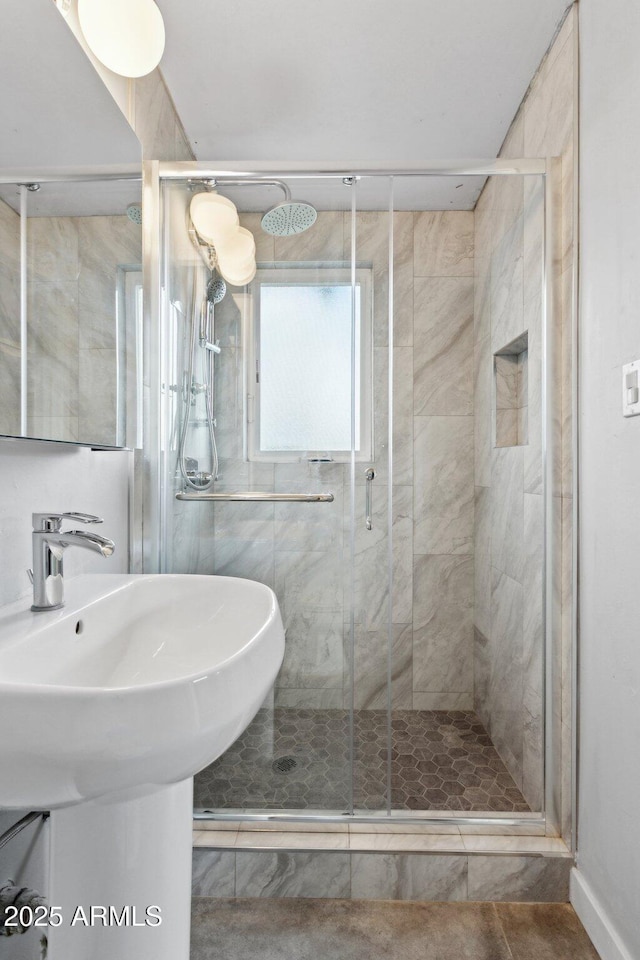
(199, 478)
(262, 497)
(370, 477)
(49, 544)
(53, 521)
(20, 825)
(227, 182)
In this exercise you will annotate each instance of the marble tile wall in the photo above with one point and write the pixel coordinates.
(372, 873)
(72, 334)
(156, 122)
(508, 530)
(303, 551)
(443, 433)
(9, 320)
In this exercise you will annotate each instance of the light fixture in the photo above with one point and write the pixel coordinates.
(216, 221)
(238, 278)
(213, 216)
(127, 36)
(237, 256)
(237, 246)
(235, 268)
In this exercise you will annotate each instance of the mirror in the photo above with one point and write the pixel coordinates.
(70, 310)
(70, 254)
(56, 113)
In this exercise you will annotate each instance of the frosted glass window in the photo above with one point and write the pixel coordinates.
(303, 387)
(305, 367)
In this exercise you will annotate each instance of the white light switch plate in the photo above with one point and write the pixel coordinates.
(631, 389)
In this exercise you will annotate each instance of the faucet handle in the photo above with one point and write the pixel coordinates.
(82, 517)
(53, 521)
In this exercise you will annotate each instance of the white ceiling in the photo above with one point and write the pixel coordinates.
(93, 198)
(55, 111)
(57, 115)
(372, 193)
(401, 81)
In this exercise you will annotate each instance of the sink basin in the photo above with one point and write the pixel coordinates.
(108, 707)
(137, 683)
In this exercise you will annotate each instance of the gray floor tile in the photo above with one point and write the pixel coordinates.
(345, 930)
(293, 758)
(545, 931)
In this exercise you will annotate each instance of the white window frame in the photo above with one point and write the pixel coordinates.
(321, 275)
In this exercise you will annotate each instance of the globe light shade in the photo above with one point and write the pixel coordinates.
(238, 277)
(237, 246)
(213, 216)
(127, 36)
(235, 268)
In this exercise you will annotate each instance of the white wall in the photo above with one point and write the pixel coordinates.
(25, 861)
(609, 786)
(40, 477)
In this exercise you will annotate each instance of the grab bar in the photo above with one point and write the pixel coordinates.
(263, 497)
(369, 477)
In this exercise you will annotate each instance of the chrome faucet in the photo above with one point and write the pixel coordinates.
(49, 544)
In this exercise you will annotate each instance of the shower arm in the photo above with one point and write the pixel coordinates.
(198, 241)
(252, 183)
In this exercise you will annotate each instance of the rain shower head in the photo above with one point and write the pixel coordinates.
(284, 220)
(134, 212)
(289, 218)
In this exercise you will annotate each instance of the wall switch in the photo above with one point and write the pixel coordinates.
(631, 389)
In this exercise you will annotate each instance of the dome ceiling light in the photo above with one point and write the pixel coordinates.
(127, 36)
(216, 221)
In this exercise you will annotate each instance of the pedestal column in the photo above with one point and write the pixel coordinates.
(115, 861)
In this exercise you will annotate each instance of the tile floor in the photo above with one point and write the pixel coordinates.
(440, 761)
(291, 929)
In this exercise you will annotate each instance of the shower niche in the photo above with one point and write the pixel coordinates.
(374, 449)
(511, 369)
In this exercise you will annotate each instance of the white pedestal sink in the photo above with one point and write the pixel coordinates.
(108, 708)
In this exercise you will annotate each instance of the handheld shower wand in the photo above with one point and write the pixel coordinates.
(216, 290)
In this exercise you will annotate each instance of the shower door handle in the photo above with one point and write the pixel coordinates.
(370, 476)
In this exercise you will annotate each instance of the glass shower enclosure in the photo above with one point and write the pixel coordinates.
(367, 428)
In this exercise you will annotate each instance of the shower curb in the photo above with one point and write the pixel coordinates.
(444, 867)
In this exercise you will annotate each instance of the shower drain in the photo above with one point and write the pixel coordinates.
(284, 764)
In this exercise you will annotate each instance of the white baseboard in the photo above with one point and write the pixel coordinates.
(595, 921)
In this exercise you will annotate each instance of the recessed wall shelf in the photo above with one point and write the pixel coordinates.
(510, 365)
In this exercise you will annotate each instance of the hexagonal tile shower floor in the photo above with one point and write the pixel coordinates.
(291, 758)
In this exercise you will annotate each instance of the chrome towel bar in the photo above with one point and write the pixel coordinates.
(263, 497)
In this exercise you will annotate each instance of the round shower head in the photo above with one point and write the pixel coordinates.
(216, 289)
(134, 212)
(289, 218)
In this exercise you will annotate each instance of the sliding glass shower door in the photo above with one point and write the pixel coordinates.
(298, 417)
(377, 458)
